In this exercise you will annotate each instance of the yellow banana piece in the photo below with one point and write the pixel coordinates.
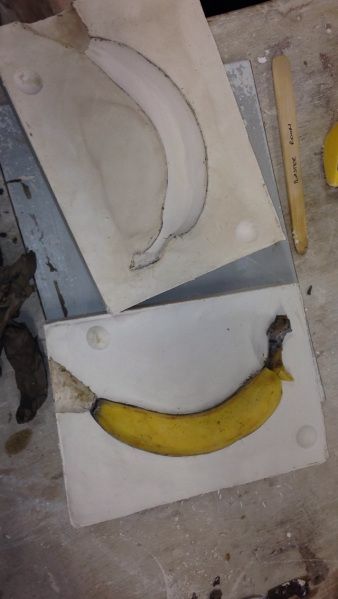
(210, 430)
(330, 156)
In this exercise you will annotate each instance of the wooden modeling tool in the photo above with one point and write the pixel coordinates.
(286, 110)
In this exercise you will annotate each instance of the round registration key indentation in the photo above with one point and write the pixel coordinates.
(28, 81)
(246, 231)
(306, 436)
(98, 337)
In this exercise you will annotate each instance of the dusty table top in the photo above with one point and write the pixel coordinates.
(252, 537)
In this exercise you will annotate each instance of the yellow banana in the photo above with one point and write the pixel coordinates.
(210, 430)
(331, 156)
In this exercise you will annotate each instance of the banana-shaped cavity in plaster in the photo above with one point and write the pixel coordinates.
(178, 129)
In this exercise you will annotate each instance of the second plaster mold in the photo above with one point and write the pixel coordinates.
(141, 141)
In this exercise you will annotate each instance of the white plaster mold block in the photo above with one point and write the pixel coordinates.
(135, 125)
(182, 357)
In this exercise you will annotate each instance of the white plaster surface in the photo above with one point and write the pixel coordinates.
(184, 357)
(105, 159)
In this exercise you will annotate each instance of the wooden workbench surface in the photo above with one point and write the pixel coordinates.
(255, 536)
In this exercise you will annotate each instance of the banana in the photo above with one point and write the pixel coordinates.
(210, 430)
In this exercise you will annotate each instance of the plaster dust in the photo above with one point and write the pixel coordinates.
(107, 161)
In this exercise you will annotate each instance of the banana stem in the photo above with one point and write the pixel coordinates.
(276, 333)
